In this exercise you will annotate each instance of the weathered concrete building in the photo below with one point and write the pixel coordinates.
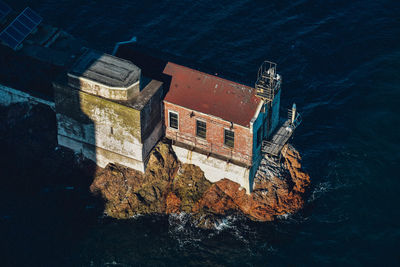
(106, 111)
(217, 124)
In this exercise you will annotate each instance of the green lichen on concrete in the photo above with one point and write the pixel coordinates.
(118, 115)
(82, 107)
(67, 103)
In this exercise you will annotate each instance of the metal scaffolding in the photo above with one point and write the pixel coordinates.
(268, 81)
(282, 136)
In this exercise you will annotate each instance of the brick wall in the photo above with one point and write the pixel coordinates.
(214, 142)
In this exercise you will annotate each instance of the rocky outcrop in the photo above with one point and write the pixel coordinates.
(272, 195)
(171, 187)
(167, 186)
(28, 137)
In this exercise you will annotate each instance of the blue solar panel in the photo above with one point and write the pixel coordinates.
(4, 10)
(32, 15)
(20, 28)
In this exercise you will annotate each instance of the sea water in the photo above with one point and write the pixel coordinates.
(340, 63)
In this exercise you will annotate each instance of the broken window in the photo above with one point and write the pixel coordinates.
(229, 138)
(201, 129)
(173, 120)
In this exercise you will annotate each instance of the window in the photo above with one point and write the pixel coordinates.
(173, 120)
(201, 129)
(259, 136)
(229, 137)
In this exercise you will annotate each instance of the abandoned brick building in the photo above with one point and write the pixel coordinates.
(217, 124)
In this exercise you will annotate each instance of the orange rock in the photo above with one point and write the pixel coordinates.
(161, 189)
(173, 203)
(216, 201)
(270, 198)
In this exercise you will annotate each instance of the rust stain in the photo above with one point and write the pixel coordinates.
(211, 95)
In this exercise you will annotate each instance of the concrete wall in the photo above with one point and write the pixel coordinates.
(102, 130)
(106, 131)
(152, 140)
(151, 123)
(99, 155)
(99, 89)
(214, 142)
(100, 135)
(10, 96)
(215, 169)
(151, 113)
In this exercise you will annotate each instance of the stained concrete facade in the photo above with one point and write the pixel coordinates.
(105, 126)
(214, 168)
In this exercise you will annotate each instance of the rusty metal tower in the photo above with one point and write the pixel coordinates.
(268, 82)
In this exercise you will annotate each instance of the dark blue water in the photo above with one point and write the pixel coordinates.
(340, 61)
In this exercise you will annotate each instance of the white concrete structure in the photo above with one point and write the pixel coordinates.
(215, 169)
(106, 76)
(102, 113)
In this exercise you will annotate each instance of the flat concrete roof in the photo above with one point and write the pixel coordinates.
(106, 69)
(139, 101)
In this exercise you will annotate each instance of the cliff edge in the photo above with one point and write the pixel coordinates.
(169, 186)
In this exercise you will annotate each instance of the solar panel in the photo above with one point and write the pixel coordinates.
(20, 28)
(4, 10)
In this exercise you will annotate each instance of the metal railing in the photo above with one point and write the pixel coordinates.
(210, 148)
(268, 81)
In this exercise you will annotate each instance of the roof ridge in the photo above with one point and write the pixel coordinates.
(213, 76)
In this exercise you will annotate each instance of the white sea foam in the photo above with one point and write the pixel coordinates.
(114, 263)
(284, 216)
(224, 223)
(181, 229)
(319, 190)
(136, 216)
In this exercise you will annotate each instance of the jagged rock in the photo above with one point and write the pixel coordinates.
(173, 203)
(190, 186)
(171, 187)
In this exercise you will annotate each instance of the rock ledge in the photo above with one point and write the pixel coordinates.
(169, 186)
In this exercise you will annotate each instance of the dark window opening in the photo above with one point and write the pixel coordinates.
(229, 138)
(173, 120)
(259, 136)
(266, 128)
(201, 129)
(111, 130)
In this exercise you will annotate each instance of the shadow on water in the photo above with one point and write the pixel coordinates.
(45, 201)
(45, 204)
(46, 209)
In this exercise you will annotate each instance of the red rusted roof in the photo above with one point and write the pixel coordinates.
(211, 95)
